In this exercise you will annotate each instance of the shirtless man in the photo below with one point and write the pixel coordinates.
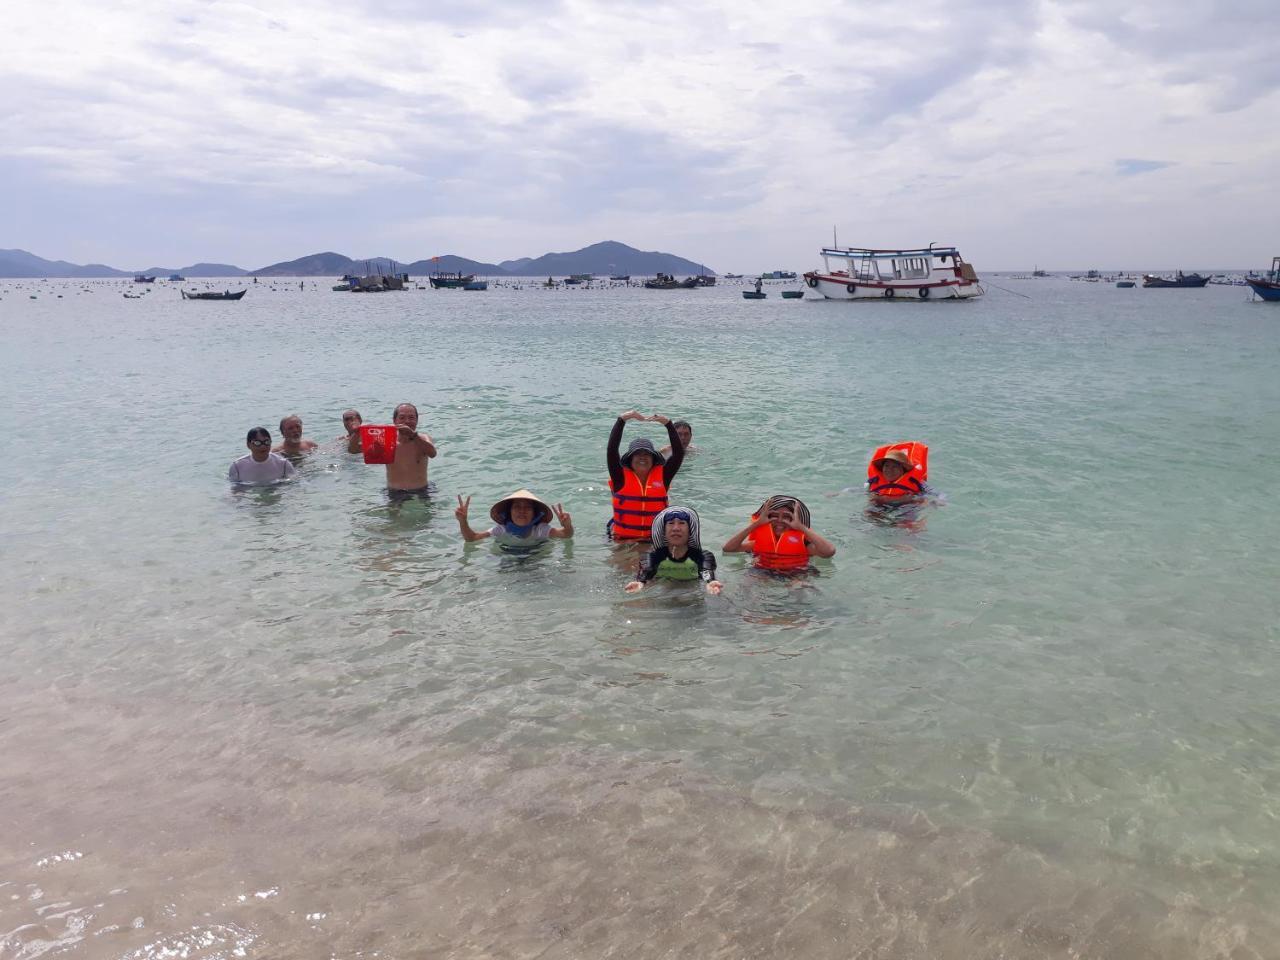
(408, 474)
(293, 444)
(351, 422)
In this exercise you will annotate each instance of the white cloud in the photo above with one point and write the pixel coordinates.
(743, 128)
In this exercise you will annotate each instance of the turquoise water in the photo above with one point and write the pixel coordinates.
(1040, 720)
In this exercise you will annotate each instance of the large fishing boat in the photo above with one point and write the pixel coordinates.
(1180, 279)
(861, 273)
(450, 281)
(1266, 285)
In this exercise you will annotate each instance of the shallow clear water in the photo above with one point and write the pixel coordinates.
(1038, 721)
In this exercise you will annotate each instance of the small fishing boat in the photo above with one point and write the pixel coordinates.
(779, 275)
(176, 277)
(753, 295)
(863, 273)
(574, 279)
(665, 281)
(227, 295)
(792, 294)
(450, 281)
(143, 278)
(624, 277)
(1124, 284)
(477, 285)
(1180, 280)
(1266, 285)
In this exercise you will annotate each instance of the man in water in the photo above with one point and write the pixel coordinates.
(407, 475)
(685, 433)
(293, 445)
(260, 466)
(351, 422)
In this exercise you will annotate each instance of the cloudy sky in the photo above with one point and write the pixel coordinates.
(1062, 133)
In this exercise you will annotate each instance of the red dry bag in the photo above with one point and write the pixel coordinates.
(378, 443)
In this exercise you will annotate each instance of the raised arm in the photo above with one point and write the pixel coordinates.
(819, 546)
(672, 466)
(737, 543)
(468, 534)
(611, 454)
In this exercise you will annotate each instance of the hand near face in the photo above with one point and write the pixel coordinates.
(406, 432)
(461, 512)
(659, 418)
(562, 515)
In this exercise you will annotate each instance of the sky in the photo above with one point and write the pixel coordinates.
(1062, 134)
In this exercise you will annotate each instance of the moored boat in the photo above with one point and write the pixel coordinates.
(450, 281)
(863, 273)
(1124, 284)
(1266, 285)
(753, 295)
(228, 295)
(143, 278)
(778, 275)
(792, 294)
(665, 281)
(477, 285)
(1180, 280)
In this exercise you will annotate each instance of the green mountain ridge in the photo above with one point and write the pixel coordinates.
(602, 259)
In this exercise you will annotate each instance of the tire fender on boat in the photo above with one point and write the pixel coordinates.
(851, 287)
(812, 282)
(924, 293)
(888, 293)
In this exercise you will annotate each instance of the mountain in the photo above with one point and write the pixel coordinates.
(604, 259)
(20, 263)
(317, 265)
(451, 264)
(198, 270)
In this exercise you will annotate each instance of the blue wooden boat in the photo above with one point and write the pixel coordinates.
(753, 295)
(1267, 285)
(476, 285)
(1124, 284)
(792, 294)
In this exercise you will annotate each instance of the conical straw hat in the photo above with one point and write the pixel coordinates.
(498, 512)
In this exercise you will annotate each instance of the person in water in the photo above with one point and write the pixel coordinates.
(780, 537)
(293, 444)
(520, 520)
(894, 477)
(685, 433)
(351, 422)
(640, 478)
(261, 465)
(407, 474)
(677, 552)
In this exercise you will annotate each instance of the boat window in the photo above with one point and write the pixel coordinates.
(911, 268)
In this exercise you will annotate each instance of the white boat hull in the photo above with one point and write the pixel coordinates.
(846, 288)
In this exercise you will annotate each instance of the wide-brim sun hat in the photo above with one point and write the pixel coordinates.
(777, 501)
(658, 532)
(500, 511)
(899, 456)
(642, 443)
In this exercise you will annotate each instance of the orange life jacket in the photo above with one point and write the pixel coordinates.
(636, 504)
(787, 552)
(911, 483)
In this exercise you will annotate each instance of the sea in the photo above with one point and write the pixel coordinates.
(1036, 717)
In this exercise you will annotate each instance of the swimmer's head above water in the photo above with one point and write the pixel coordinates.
(258, 441)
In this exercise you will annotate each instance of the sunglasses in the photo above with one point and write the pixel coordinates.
(259, 443)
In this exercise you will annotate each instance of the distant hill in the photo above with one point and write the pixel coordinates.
(197, 270)
(317, 265)
(20, 263)
(451, 264)
(602, 259)
(605, 258)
